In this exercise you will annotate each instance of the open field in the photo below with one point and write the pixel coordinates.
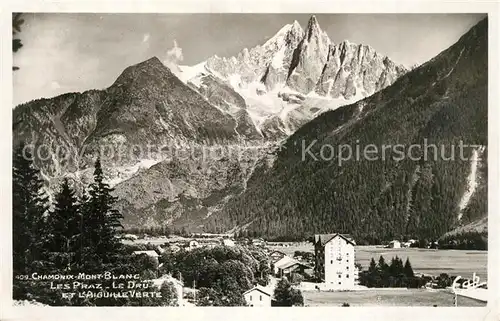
(393, 297)
(426, 261)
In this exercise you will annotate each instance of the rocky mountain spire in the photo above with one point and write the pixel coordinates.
(309, 58)
(313, 27)
(262, 63)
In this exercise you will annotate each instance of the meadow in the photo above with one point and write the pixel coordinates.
(425, 261)
(392, 297)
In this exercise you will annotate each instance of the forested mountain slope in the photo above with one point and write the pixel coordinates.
(443, 102)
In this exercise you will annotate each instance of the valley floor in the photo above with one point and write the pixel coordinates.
(388, 297)
(423, 261)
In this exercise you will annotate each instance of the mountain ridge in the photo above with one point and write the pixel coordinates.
(443, 101)
(195, 109)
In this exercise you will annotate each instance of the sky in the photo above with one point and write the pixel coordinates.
(73, 52)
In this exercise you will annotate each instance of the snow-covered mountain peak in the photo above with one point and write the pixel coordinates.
(285, 34)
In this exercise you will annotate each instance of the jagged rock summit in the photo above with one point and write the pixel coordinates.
(308, 61)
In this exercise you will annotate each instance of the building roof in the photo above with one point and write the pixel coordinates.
(167, 278)
(260, 288)
(325, 238)
(149, 253)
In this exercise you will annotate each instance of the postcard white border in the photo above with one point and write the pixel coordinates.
(491, 312)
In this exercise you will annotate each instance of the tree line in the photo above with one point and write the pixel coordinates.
(395, 274)
(465, 241)
(398, 275)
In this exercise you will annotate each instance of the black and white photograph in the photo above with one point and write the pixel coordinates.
(249, 159)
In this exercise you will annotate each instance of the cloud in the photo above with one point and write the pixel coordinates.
(145, 38)
(174, 55)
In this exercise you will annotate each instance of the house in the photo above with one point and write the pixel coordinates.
(334, 258)
(409, 243)
(227, 242)
(258, 296)
(282, 262)
(275, 256)
(150, 253)
(394, 244)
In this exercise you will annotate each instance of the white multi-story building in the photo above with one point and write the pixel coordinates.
(178, 285)
(335, 255)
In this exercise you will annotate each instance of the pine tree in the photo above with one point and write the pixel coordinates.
(393, 266)
(29, 205)
(100, 221)
(82, 244)
(383, 270)
(64, 227)
(396, 267)
(373, 274)
(382, 266)
(373, 267)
